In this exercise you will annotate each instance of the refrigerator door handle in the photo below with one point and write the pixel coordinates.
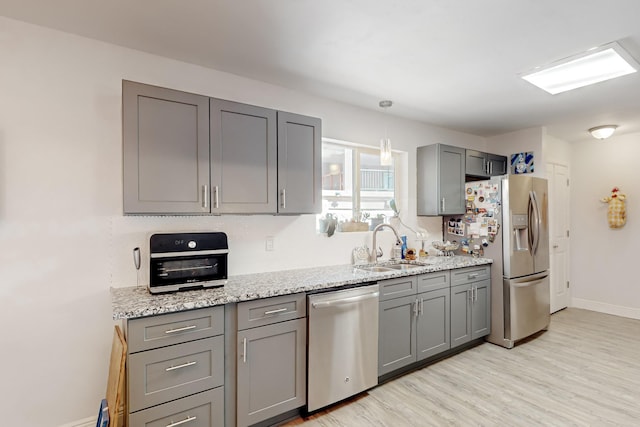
(534, 222)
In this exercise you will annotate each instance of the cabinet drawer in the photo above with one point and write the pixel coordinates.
(204, 409)
(271, 310)
(396, 288)
(470, 274)
(147, 333)
(168, 373)
(433, 281)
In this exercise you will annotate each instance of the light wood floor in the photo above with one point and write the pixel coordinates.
(584, 371)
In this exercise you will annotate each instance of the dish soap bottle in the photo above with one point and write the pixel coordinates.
(404, 246)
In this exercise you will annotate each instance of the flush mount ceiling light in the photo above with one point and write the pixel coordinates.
(603, 132)
(385, 143)
(593, 66)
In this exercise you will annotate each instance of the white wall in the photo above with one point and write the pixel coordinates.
(603, 259)
(64, 241)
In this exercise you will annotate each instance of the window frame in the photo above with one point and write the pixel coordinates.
(355, 191)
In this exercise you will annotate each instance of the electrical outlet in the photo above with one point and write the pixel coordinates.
(268, 246)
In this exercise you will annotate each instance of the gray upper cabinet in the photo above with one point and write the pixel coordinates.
(190, 154)
(165, 150)
(481, 165)
(243, 158)
(299, 164)
(441, 177)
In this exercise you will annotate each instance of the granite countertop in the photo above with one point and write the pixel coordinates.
(136, 301)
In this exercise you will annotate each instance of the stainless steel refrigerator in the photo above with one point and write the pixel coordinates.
(515, 207)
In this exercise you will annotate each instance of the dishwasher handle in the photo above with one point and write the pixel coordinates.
(343, 301)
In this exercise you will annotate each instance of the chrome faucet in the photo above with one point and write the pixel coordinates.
(375, 254)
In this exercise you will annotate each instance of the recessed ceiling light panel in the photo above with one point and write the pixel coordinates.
(593, 66)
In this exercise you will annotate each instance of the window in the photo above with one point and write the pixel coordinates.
(354, 184)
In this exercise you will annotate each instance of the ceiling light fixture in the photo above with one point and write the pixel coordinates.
(593, 66)
(385, 143)
(603, 132)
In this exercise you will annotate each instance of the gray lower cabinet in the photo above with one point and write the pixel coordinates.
(189, 154)
(205, 409)
(175, 369)
(470, 304)
(441, 177)
(165, 150)
(415, 326)
(271, 365)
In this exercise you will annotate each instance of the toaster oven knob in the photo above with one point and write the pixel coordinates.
(191, 244)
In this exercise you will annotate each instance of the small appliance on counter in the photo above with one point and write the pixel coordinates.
(181, 261)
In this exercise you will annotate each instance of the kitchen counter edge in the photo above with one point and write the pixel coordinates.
(134, 302)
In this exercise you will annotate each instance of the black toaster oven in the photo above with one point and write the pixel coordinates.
(180, 261)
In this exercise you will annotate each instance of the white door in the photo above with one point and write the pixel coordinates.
(558, 176)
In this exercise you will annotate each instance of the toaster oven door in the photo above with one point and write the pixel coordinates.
(175, 272)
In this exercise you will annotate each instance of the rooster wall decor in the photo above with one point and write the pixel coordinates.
(617, 212)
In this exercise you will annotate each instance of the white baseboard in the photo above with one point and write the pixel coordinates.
(86, 422)
(617, 310)
(90, 421)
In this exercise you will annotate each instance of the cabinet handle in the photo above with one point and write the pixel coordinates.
(490, 168)
(186, 420)
(284, 198)
(472, 275)
(186, 328)
(205, 196)
(415, 308)
(244, 350)
(485, 166)
(421, 306)
(280, 310)
(475, 293)
(443, 205)
(184, 365)
(216, 197)
(470, 294)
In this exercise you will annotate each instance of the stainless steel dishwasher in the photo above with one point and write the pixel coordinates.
(343, 344)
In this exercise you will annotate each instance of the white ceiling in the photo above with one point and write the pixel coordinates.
(450, 63)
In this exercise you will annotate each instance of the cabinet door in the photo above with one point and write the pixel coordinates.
(271, 370)
(433, 332)
(299, 164)
(460, 315)
(476, 163)
(396, 334)
(451, 182)
(165, 150)
(497, 164)
(480, 310)
(243, 158)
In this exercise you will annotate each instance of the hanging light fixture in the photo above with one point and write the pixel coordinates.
(385, 143)
(603, 132)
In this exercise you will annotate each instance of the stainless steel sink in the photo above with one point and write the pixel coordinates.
(374, 268)
(389, 267)
(404, 267)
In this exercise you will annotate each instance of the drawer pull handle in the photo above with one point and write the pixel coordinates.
(186, 328)
(280, 310)
(244, 350)
(178, 423)
(472, 276)
(184, 365)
